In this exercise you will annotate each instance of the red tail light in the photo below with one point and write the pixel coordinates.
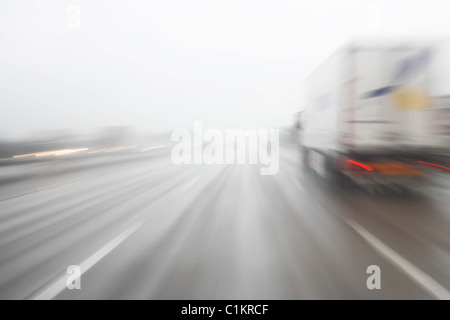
(362, 165)
(434, 165)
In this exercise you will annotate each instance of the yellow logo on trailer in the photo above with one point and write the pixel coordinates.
(411, 98)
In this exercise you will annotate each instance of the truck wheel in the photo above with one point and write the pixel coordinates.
(335, 177)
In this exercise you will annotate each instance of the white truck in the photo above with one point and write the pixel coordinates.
(370, 114)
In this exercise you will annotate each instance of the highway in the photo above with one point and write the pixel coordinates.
(145, 228)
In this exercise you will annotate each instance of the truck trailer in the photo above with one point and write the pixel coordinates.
(368, 118)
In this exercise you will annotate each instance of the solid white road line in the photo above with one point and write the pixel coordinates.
(58, 286)
(417, 275)
(61, 284)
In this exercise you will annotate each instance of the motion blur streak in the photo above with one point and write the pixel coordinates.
(135, 139)
(434, 165)
(141, 227)
(422, 279)
(52, 153)
(361, 165)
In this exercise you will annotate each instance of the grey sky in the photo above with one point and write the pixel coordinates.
(163, 64)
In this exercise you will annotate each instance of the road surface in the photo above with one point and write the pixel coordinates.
(145, 228)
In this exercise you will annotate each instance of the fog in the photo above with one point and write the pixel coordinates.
(75, 65)
(233, 149)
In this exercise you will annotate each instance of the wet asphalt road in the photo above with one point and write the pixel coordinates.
(144, 228)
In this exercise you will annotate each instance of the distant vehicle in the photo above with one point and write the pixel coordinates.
(367, 118)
